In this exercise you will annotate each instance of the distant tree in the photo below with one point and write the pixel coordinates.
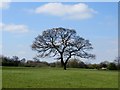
(81, 64)
(15, 61)
(90, 66)
(117, 62)
(63, 44)
(52, 64)
(23, 60)
(15, 58)
(58, 64)
(6, 61)
(112, 66)
(0, 60)
(73, 63)
(36, 59)
(104, 64)
(95, 66)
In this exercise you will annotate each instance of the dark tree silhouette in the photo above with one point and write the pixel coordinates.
(15, 58)
(62, 43)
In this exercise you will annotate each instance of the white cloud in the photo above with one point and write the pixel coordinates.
(5, 5)
(19, 28)
(76, 11)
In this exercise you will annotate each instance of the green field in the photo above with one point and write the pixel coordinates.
(28, 77)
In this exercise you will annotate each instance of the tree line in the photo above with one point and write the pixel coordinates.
(73, 63)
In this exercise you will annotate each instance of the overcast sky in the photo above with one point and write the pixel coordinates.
(21, 22)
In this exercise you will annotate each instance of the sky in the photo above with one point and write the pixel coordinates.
(21, 22)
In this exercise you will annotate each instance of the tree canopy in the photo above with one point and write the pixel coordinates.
(62, 43)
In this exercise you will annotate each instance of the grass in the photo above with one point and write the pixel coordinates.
(28, 77)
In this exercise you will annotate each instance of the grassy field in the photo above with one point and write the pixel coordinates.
(27, 77)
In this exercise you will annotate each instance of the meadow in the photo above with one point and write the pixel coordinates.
(33, 77)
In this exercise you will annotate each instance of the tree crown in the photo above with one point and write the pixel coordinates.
(62, 41)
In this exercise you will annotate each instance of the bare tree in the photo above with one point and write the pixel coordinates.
(62, 43)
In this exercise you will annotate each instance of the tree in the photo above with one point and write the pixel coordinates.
(36, 59)
(73, 63)
(112, 66)
(117, 62)
(0, 60)
(104, 64)
(15, 58)
(23, 60)
(7, 61)
(62, 43)
(81, 64)
(58, 64)
(95, 66)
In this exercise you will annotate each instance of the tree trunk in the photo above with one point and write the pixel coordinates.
(64, 66)
(62, 63)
